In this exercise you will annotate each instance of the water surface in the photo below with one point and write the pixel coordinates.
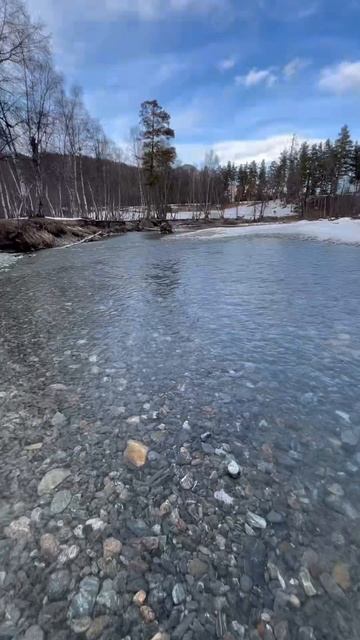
(255, 340)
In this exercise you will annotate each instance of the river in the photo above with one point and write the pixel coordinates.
(207, 350)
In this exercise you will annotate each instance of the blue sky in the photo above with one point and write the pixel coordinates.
(238, 76)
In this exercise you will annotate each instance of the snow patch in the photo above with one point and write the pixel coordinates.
(243, 211)
(344, 230)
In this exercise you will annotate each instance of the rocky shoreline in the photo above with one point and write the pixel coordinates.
(180, 536)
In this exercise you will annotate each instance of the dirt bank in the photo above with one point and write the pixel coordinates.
(25, 235)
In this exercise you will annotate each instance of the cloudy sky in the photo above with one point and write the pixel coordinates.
(238, 76)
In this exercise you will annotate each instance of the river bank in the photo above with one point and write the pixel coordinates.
(24, 235)
(28, 235)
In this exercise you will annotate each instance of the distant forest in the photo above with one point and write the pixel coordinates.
(55, 158)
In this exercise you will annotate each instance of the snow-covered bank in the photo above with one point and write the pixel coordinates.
(344, 230)
(243, 210)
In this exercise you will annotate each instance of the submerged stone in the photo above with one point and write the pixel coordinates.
(178, 594)
(58, 584)
(136, 453)
(224, 497)
(84, 601)
(59, 420)
(255, 521)
(233, 469)
(305, 580)
(349, 438)
(60, 501)
(51, 480)
(341, 576)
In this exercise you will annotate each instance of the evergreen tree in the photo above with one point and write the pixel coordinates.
(304, 170)
(242, 182)
(355, 166)
(252, 181)
(343, 152)
(262, 182)
(158, 156)
(283, 166)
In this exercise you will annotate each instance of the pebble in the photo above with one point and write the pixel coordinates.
(343, 415)
(275, 518)
(349, 438)
(83, 602)
(182, 628)
(133, 420)
(233, 469)
(49, 546)
(305, 580)
(51, 480)
(197, 568)
(34, 633)
(224, 497)
(178, 594)
(60, 501)
(111, 548)
(161, 635)
(96, 524)
(97, 627)
(338, 504)
(187, 482)
(184, 457)
(249, 530)
(341, 576)
(19, 529)
(246, 584)
(238, 629)
(336, 489)
(136, 453)
(255, 521)
(58, 584)
(68, 553)
(281, 630)
(139, 598)
(108, 598)
(147, 614)
(80, 625)
(34, 447)
(58, 420)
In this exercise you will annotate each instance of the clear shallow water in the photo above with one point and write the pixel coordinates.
(256, 340)
(271, 322)
(7, 259)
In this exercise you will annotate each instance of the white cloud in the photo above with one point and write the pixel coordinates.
(51, 10)
(293, 67)
(226, 64)
(240, 151)
(188, 121)
(257, 76)
(341, 78)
